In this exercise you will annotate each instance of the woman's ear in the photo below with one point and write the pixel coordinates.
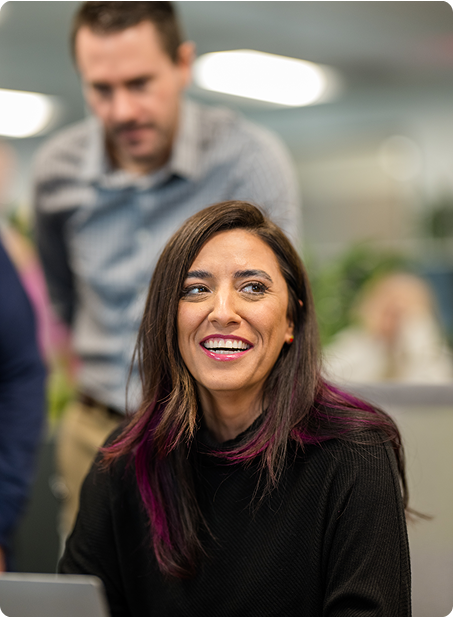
(289, 335)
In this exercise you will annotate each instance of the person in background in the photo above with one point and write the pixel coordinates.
(111, 190)
(52, 334)
(395, 337)
(22, 377)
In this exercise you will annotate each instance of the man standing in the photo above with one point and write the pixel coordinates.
(111, 190)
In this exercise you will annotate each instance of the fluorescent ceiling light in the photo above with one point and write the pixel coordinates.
(4, 11)
(24, 114)
(261, 76)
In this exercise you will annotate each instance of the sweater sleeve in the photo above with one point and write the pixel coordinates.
(92, 546)
(366, 554)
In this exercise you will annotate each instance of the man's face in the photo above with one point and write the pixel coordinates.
(134, 88)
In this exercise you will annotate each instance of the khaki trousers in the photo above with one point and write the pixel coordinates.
(82, 431)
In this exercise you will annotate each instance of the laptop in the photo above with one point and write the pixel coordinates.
(51, 595)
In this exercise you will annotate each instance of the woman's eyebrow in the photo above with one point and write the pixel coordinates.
(247, 273)
(204, 274)
(198, 274)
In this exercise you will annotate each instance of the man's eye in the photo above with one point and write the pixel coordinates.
(254, 288)
(138, 84)
(103, 91)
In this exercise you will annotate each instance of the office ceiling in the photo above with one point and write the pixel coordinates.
(393, 56)
(375, 45)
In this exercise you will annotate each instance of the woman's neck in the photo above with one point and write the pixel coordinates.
(228, 414)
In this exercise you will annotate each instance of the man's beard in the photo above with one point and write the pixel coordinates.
(155, 156)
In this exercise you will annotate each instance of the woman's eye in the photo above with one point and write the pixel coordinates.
(254, 288)
(194, 290)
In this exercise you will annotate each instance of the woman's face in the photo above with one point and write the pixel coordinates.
(232, 316)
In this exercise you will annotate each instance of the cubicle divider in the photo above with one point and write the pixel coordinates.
(425, 417)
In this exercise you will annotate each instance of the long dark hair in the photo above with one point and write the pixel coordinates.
(302, 407)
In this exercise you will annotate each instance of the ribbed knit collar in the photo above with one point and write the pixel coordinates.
(206, 443)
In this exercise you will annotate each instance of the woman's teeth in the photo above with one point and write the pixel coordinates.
(224, 346)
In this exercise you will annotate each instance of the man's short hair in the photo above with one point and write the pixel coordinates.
(110, 17)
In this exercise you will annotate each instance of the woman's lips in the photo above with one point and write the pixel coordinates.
(222, 348)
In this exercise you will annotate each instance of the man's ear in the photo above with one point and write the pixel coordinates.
(185, 60)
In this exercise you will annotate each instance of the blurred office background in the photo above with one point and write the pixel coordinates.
(375, 165)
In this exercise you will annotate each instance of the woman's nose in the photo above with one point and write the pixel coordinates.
(224, 310)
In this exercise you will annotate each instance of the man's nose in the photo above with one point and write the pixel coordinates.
(224, 310)
(123, 107)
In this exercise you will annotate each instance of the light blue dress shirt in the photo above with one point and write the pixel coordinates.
(100, 230)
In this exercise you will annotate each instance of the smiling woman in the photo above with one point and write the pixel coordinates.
(232, 324)
(246, 484)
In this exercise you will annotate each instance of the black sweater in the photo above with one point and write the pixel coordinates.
(330, 541)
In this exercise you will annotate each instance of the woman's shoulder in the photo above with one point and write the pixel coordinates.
(347, 474)
(108, 473)
(369, 452)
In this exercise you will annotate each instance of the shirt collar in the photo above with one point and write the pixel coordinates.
(184, 160)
